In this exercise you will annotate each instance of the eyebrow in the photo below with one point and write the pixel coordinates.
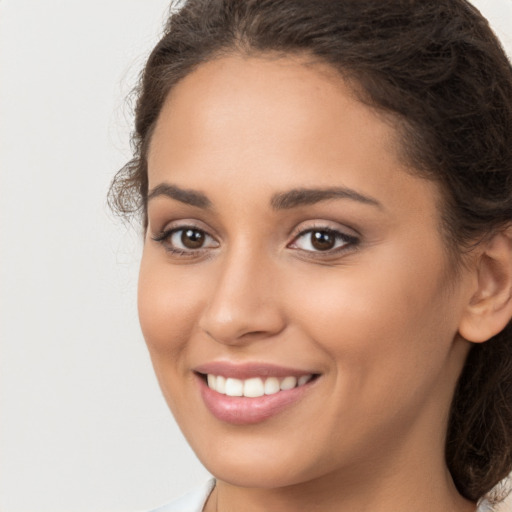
(305, 196)
(281, 201)
(191, 197)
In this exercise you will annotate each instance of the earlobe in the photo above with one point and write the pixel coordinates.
(490, 307)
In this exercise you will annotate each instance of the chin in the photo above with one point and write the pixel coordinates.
(251, 475)
(263, 465)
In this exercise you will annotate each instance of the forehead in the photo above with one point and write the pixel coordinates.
(278, 123)
(255, 104)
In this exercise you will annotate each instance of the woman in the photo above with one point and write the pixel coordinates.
(325, 287)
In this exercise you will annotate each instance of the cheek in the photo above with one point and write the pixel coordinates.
(386, 323)
(167, 304)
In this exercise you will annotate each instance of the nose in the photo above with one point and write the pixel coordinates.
(243, 303)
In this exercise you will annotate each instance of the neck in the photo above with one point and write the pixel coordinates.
(382, 489)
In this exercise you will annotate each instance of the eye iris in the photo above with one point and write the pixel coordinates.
(192, 238)
(322, 240)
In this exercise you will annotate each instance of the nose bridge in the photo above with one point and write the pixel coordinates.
(243, 298)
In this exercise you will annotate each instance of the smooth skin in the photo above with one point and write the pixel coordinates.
(231, 271)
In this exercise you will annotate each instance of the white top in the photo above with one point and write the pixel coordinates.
(195, 501)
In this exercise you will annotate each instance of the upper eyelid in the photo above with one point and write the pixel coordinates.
(318, 225)
(166, 232)
(335, 232)
(179, 224)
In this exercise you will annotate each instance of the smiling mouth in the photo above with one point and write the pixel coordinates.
(251, 393)
(255, 387)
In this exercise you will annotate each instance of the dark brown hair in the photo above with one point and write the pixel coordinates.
(439, 70)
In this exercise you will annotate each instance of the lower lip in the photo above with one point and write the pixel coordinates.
(239, 410)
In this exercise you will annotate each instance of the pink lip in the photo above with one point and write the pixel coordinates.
(248, 370)
(244, 410)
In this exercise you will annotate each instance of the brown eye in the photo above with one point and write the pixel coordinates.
(186, 240)
(322, 240)
(192, 238)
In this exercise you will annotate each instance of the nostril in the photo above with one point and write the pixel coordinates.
(241, 312)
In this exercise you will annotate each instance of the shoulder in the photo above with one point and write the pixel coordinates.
(484, 506)
(193, 501)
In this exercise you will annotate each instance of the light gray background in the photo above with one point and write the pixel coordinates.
(83, 426)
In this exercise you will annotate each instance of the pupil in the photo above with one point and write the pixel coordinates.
(322, 240)
(192, 239)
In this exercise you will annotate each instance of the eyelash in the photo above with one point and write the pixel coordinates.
(164, 238)
(348, 241)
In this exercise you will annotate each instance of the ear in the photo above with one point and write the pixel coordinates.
(490, 307)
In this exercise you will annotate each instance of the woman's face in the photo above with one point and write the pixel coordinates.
(289, 247)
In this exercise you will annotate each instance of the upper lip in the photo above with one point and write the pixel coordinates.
(249, 370)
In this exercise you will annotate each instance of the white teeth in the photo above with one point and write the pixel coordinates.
(221, 384)
(254, 387)
(288, 383)
(304, 380)
(234, 387)
(271, 386)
